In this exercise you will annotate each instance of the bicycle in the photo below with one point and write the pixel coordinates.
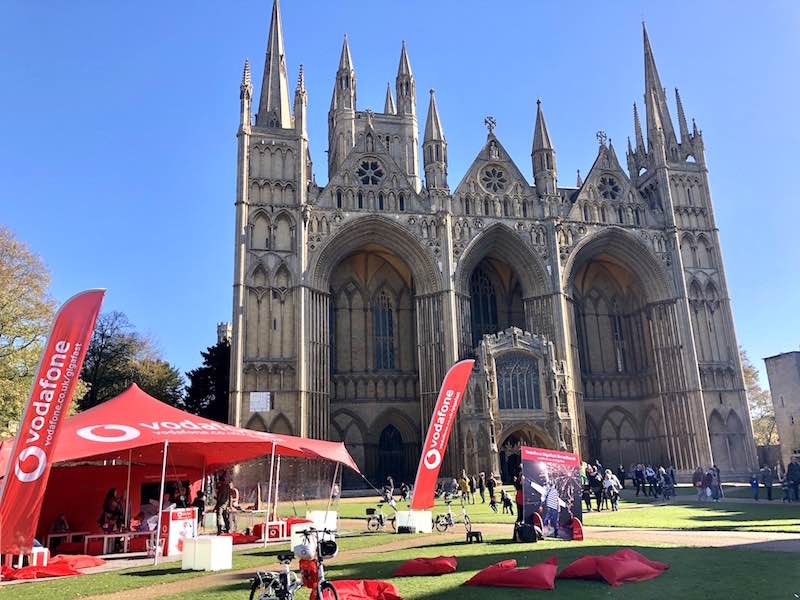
(271, 585)
(445, 521)
(376, 519)
(313, 571)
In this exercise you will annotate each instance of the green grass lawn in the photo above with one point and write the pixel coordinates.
(694, 573)
(681, 513)
(115, 581)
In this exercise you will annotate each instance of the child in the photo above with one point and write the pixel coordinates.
(508, 506)
(754, 486)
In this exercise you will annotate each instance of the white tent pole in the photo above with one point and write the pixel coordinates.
(160, 500)
(128, 492)
(330, 494)
(277, 482)
(269, 495)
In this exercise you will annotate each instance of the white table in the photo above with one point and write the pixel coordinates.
(208, 553)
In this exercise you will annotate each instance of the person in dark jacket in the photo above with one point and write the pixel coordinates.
(767, 479)
(793, 477)
(621, 476)
(482, 487)
(519, 497)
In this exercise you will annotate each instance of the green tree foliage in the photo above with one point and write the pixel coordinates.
(762, 411)
(25, 315)
(119, 356)
(207, 391)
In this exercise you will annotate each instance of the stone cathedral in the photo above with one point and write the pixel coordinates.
(598, 313)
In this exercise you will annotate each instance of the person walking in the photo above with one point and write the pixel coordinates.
(472, 488)
(491, 484)
(638, 479)
(621, 476)
(767, 479)
(482, 486)
(697, 482)
(463, 485)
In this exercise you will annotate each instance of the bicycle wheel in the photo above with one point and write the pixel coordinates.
(467, 524)
(441, 523)
(327, 591)
(373, 524)
(255, 589)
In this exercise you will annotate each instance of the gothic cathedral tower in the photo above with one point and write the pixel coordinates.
(598, 313)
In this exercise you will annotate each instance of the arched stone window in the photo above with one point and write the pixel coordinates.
(402, 201)
(360, 198)
(380, 201)
(383, 332)
(390, 452)
(484, 305)
(338, 198)
(486, 207)
(467, 209)
(517, 381)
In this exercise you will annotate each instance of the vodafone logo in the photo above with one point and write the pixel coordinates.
(432, 459)
(26, 476)
(123, 433)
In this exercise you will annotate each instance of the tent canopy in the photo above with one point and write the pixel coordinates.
(136, 425)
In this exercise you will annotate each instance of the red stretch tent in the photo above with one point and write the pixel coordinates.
(135, 425)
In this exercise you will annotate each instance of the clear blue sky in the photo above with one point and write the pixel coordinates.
(118, 124)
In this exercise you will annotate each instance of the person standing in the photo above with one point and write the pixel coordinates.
(482, 487)
(638, 479)
(718, 474)
(472, 488)
(621, 476)
(519, 496)
(793, 477)
(767, 479)
(222, 506)
(697, 482)
(754, 486)
(491, 484)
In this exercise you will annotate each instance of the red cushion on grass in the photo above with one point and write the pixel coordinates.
(56, 570)
(77, 561)
(363, 589)
(634, 555)
(510, 563)
(584, 567)
(618, 570)
(240, 538)
(538, 577)
(427, 566)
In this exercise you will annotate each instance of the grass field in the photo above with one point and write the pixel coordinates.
(682, 513)
(694, 573)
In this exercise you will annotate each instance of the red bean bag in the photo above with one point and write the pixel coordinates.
(537, 577)
(634, 555)
(56, 570)
(363, 589)
(427, 566)
(240, 538)
(617, 570)
(77, 561)
(584, 567)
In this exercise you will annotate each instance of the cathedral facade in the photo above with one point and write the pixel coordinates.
(598, 313)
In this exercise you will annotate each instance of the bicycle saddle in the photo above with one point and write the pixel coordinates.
(285, 557)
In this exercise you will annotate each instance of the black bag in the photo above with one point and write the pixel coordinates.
(524, 532)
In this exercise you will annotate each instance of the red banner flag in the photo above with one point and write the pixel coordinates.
(51, 394)
(444, 415)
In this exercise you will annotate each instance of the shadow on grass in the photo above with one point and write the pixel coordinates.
(154, 572)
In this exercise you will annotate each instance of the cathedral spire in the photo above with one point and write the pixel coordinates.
(406, 86)
(579, 180)
(344, 90)
(654, 94)
(637, 126)
(543, 155)
(388, 105)
(434, 148)
(273, 105)
(684, 127)
(245, 97)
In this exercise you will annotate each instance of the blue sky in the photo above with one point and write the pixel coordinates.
(118, 124)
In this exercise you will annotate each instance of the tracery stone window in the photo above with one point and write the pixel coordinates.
(494, 179)
(609, 188)
(518, 381)
(370, 172)
(383, 332)
(483, 305)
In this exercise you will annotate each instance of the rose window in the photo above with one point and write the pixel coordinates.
(370, 172)
(609, 188)
(494, 179)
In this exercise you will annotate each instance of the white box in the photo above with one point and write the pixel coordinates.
(421, 521)
(208, 553)
(323, 519)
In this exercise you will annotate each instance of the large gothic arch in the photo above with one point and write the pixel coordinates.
(377, 230)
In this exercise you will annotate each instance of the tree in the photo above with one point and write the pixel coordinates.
(119, 356)
(762, 411)
(25, 314)
(159, 379)
(207, 392)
